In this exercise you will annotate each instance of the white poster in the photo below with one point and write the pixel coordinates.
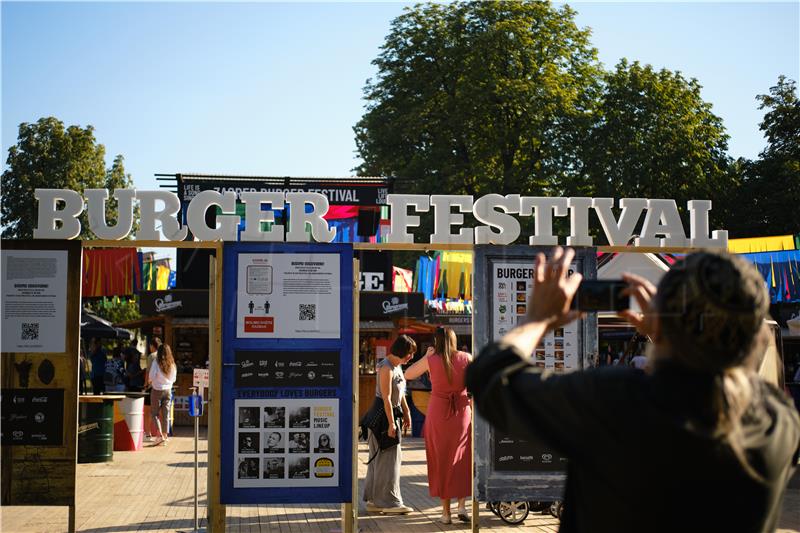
(34, 300)
(511, 286)
(288, 296)
(286, 443)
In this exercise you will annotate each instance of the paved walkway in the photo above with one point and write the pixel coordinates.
(152, 490)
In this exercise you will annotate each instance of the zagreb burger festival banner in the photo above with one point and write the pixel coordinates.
(58, 211)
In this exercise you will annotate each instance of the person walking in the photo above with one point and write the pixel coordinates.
(448, 423)
(700, 427)
(163, 373)
(152, 353)
(382, 485)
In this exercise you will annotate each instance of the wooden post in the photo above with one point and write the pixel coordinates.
(216, 510)
(350, 510)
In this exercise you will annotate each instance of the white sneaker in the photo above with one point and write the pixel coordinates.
(400, 509)
(372, 508)
(148, 438)
(445, 520)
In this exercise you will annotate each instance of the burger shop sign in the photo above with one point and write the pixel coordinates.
(58, 212)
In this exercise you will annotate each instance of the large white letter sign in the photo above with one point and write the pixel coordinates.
(579, 222)
(543, 208)
(299, 218)
(400, 219)
(254, 216)
(619, 233)
(228, 224)
(486, 211)
(443, 218)
(662, 218)
(698, 227)
(170, 227)
(96, 206)
(49, 214)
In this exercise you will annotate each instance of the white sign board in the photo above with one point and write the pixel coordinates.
(511, 286)
(286, 443)
(34, 300)
(288, 296)
(200, 379)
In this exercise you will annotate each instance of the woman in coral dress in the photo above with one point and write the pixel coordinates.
(448, 423)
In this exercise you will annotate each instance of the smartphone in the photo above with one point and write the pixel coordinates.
(601, 295)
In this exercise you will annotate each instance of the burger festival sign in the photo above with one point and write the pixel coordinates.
(497, 216)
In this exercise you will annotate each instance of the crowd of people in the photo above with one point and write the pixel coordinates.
(123, 372)
(680, 415)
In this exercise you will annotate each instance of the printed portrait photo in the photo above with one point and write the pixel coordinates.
(299, 467)
(299, 442)
(300, 417)
(248, 442)
(248, 468)
(274, 417)
(248, 417)
(274, 468)
(323, 442)
(274, 442)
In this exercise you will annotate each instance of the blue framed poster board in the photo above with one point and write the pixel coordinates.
(287, 386)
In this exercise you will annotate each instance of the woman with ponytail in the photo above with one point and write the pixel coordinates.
(448, 422)
(700, 428)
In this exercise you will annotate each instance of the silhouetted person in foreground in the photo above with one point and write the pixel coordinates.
(700, 429)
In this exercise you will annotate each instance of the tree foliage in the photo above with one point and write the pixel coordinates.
(654, 137)
(48, 155)
(508, 97)
(479, 97)
(771, 186)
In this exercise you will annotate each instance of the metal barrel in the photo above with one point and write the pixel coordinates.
(96, 432)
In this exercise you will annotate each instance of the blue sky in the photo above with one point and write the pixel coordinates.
(274, 89)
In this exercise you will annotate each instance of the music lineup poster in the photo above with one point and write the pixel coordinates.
(286, 443)
(34, 300)
(288, 296)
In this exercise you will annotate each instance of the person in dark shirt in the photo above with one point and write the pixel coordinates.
(700, 429)
(98, 359)
(133, 368)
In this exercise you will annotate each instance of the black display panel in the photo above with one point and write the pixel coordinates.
(287, 369)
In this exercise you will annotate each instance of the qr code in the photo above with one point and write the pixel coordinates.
(308, 311)
(30, 331)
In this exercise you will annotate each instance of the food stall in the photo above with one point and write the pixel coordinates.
(379, 314)
(180, 318)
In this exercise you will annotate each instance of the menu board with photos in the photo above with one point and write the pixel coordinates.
(286, 443)
(511, 287)
(508, 467)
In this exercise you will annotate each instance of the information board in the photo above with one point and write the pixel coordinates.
(287, 373)
(510, 468)
(41, 307)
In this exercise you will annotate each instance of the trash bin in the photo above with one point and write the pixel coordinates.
(129, 423)
(96, 429)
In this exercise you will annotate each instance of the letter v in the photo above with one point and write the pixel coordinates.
(619, 233)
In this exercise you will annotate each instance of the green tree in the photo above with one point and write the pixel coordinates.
(655, 137)
(115, 310)
(771, 188)
(479, 97)
(48, 155)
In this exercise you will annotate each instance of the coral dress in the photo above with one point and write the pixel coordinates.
(448, 427)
